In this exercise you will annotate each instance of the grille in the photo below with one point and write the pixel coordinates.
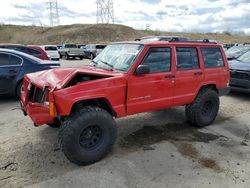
(36, 94)
(240, 75)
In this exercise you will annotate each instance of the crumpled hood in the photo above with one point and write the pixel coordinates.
(238, 65)
(58, 77)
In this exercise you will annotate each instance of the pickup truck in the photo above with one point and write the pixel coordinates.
(71, 50)
(126, 78)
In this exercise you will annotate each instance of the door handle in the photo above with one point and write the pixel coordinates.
(198, 73)
(169, 76)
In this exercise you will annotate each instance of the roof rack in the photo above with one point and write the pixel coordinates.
(193, 40)
(175, 39)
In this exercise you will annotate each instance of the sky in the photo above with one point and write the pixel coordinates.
(163, 15)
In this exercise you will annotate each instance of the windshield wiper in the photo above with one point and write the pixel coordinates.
(106, 63)
(94, 63)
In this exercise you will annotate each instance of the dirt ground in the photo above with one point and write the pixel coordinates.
(155, 149)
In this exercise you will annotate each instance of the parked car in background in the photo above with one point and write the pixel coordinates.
(30, 49)
(81, 45)
(52, 51)
(240, 73)
(71, 50)
(236, 51)
(42, 53)
(59, 46)
(14, 65)
(227, 46)
(92, 50)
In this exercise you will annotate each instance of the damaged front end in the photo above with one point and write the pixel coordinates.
(38, 103)
(40, 90)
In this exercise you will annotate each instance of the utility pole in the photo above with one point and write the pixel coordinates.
(105, 11)
(54, 13)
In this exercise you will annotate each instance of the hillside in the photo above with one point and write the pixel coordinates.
(93, 33)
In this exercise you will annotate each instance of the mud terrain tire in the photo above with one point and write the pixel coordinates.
(87, 135)
(204, 109)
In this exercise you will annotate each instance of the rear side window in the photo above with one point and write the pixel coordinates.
(32, 52)
(50, 48)
(158, 60)
(4, 59)
(15, 60)
(187, 58)
(212, 57)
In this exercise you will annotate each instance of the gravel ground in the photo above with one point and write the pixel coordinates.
(155, 149)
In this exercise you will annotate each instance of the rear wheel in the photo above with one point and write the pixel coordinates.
(88, 135)
(67, 56)
(204, 109)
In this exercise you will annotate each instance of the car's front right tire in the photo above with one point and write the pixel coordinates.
(88, 135)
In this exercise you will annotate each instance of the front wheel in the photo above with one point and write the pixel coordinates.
(92, 56)
(88, 135)
(204, 109)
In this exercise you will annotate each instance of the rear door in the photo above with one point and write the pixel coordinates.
(188, 75)
(9, 69)
(153, 90)
(215, 70)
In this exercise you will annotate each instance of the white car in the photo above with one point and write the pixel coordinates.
(52, 51)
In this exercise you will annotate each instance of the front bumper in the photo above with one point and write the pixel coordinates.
(241, 85)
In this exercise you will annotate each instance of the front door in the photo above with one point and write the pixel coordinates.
(153, 90)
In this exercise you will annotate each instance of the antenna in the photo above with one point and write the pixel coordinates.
(54, 14)
(105, 11)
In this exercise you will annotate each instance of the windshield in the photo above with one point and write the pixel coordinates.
(237, 51)
(245, 57)
(117, 57)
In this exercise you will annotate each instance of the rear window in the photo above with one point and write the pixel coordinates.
(4, 59)
(32, 51)
(212, 57)
(100, 46)
(50, 48)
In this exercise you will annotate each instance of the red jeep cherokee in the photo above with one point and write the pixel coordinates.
(125, 78)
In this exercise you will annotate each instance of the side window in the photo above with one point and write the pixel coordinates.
(212, 57)
(4, 59)
(158, 60)
(187, 58)
(15, 60)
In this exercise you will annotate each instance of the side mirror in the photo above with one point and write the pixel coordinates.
(142, 69)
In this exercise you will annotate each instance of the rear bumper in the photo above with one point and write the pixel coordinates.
(224, 91)
(75, 55)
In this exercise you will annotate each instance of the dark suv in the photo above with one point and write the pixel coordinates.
(240, 73)
(92, 50)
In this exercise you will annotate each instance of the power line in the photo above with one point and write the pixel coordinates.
(105, 11)
(54, 13)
